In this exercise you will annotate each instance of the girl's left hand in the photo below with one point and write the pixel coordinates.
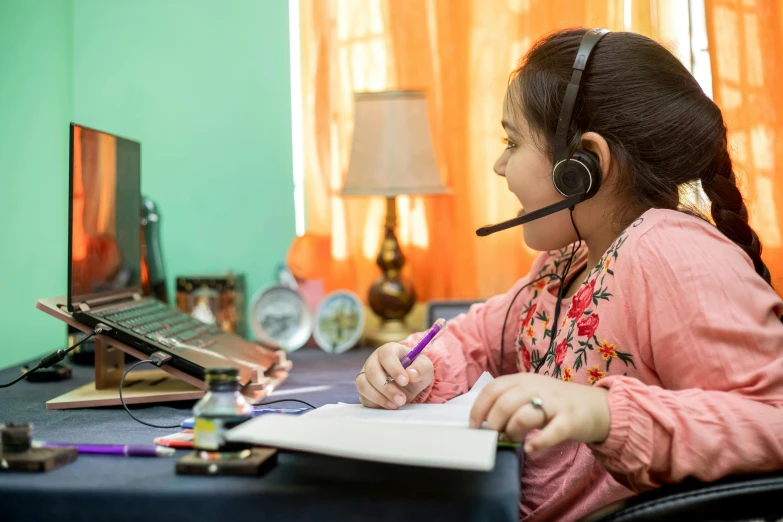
(568, 411)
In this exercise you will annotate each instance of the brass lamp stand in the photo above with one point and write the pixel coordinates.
(390, 298)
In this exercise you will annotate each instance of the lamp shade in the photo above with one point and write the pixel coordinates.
(392, 151)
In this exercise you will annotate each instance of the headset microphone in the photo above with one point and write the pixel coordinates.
(537, 214)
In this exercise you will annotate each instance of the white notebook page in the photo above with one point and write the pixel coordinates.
(432, 435)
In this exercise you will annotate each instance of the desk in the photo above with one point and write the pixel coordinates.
(301, 487)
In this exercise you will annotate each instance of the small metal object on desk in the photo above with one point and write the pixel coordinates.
(17, 453)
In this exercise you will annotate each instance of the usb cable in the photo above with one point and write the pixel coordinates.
(57, 356)
(158, 359)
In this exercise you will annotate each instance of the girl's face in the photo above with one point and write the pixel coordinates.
(528, 172)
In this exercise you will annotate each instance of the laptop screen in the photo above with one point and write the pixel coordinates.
(104, 241)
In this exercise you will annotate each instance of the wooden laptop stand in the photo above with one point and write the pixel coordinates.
(149, 386)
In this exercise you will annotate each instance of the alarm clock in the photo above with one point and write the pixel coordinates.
(280, 317)
(339, 322)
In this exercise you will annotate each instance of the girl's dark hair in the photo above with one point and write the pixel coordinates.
(663, 132)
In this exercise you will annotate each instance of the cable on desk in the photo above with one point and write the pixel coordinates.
(287, 400)
(157, 358)
(57, 356)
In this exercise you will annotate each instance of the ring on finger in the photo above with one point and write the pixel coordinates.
(538, 404)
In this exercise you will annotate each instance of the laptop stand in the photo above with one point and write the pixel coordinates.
(142, 387)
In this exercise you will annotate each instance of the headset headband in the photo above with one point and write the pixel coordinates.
(589, 41)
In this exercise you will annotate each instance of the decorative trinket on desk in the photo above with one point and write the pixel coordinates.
(214, 300)
(279, 316)
(18, 454)
(339, 322)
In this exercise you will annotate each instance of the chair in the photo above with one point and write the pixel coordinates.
(735, 498)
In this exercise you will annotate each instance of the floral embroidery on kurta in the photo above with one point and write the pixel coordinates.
(576, 334)
(594, 374)
(530, 323)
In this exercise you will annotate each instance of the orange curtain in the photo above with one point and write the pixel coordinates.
(746, 54)
(461, 52)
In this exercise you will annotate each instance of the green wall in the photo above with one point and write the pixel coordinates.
(35, 108)
(205, 87)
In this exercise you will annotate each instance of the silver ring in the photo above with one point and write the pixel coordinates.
(539, 405)
(360, 373)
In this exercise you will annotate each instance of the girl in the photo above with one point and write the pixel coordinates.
(665, 361)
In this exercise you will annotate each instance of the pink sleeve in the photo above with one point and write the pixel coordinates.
(471, 344)
(709, 329)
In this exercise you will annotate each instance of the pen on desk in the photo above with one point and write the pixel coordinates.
(128, 450)
(406, 361)
(190, 422)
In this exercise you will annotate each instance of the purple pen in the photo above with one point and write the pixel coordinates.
(128, 450)
(406, 361)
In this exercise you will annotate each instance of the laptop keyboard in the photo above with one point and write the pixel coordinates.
(159, 322)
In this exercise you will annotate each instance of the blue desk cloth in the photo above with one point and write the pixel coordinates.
(301, 487)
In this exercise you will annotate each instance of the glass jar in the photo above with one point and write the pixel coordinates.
(222, 408)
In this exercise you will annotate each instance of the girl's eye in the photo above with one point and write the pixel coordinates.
(508, 143)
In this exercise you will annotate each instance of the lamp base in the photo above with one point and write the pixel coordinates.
(391, 331)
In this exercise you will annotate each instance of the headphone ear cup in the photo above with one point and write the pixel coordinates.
(579, 174)
(593, 170)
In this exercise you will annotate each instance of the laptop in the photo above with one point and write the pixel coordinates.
(104, 265)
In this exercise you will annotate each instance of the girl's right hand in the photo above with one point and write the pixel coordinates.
(407, 384)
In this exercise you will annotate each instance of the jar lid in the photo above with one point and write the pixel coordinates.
(222, 374)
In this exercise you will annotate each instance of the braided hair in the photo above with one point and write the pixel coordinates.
(729, 211)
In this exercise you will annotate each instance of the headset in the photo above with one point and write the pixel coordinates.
(576, 177)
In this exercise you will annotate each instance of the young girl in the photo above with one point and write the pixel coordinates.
(666, 358)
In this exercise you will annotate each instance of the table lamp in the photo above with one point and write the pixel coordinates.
(391, 154)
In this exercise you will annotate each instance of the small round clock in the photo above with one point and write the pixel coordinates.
(339, 322)
(280, 317)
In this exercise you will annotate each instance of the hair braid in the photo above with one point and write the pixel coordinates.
(730, 213)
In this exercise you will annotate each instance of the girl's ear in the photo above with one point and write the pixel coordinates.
(595, 143)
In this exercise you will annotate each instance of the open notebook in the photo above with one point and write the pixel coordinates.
(429, 435)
